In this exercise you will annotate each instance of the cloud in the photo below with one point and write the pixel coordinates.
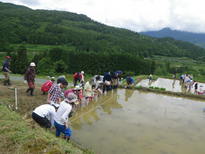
(30, 2)
(137, 15)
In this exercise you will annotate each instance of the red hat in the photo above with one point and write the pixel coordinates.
(8, 57)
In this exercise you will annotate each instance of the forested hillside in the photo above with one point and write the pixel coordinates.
(20, 24)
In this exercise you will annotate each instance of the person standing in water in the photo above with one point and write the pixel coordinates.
(196, 87)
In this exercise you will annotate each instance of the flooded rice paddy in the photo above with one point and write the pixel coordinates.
(169, 85)
(134, 122)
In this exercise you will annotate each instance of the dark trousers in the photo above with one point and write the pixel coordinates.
(75, 82)
(107, 88)
(42, 121)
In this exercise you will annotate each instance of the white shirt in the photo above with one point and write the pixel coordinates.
(186, 79)
(82, 77)
(46, 110)
(88, 89)
(61, 116)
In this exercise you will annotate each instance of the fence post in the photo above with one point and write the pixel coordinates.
(16, 99)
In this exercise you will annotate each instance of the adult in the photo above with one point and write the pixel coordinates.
(98, 82)
(88, 92)
(82, 78)
(76, 78)
(195, 87)
(44, 115)
(61, 117)
(77, 91)
(130, 81)
(107, 82)
(61, 79)
(115, 80)
(30, 78)
(150, 77)
(6, 70)
(47, 85)
(55, 93)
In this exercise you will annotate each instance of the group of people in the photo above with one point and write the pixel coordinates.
(62, 102)
(188, 83)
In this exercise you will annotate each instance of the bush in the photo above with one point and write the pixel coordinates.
(60, 66)
(44, 67)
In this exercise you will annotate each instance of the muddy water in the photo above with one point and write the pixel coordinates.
(170, 85)
(133, 122)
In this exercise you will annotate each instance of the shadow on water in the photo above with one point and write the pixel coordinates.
(128, 121)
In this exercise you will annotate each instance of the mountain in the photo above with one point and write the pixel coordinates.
(19, 25)
(196, 38)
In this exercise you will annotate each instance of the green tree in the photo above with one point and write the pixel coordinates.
(19, 61)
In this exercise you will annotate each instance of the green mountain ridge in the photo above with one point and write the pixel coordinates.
(20, 24)
(195, 38)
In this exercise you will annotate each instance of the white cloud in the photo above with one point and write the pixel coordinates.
(137, 15)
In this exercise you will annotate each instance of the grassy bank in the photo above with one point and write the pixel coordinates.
(18, 135)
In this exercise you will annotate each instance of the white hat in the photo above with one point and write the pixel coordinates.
(53, 78)
(32, 64)
(71, 98)
(82, 72)
(77, 87)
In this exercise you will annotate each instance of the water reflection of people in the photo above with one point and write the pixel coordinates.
(128, 94)
(111, 103)
(88, 114)
(85, 114)
(173, 83)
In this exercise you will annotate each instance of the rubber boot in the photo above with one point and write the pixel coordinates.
(28, 90)
(5, 82)
(67, 138)
(31, 93)
(8, 82)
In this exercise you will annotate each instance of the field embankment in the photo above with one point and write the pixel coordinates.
(20, 134)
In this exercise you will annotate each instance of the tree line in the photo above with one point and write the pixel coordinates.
(57, 60)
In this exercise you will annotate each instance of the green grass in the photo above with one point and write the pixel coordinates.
(19, 135)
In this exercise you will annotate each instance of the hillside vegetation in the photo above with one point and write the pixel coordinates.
(20, 24)
(61, 42)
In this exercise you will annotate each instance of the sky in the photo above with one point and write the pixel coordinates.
(136, 15)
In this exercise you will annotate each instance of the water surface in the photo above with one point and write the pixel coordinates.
(133, 122)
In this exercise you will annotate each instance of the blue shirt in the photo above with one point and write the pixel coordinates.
(130, 80)
(6, 66)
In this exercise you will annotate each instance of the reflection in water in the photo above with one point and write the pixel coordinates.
(88, 114)
(128, 94)
(147, 123)
(173, 84)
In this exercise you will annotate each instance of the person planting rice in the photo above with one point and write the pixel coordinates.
(44, 115)
(61, 118)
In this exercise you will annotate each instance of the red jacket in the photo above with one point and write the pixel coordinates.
(77, 76)
(46, 86)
